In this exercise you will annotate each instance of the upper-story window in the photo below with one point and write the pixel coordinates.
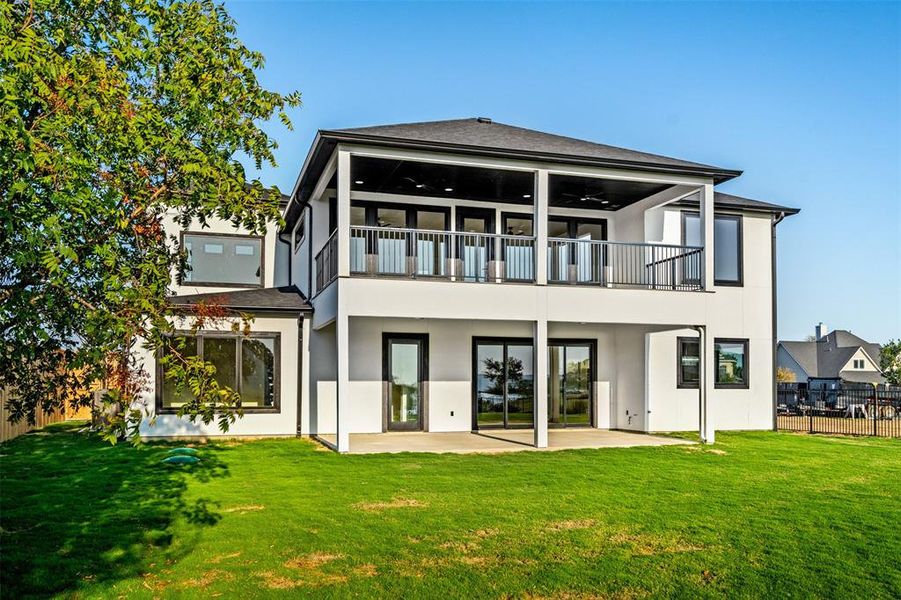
(300, 231)
(858, 363)
(727, 245)
(223, 260)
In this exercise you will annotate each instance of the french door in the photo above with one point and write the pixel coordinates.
(570, 390)
(405, 376)
(475, 247)
(503, 383)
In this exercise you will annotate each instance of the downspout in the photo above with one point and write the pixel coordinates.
(309, 239)
(776, 220)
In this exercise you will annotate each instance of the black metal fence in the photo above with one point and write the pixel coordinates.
(844, 408)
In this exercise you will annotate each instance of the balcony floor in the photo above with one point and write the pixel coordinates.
(495, 441)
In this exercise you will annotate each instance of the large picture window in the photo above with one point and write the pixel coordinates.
(223, 260)
(727, 245)
(689, 362)
(247, 364)
(731, 359)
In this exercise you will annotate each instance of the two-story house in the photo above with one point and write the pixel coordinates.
(468, 275)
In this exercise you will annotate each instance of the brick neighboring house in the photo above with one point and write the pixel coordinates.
(832, 358)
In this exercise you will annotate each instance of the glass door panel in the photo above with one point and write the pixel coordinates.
(570, 398)
(473, 244)
(518, 255)
(392, 245)
(489, 385)
(520, 386)
(404, 384)
(431, 248)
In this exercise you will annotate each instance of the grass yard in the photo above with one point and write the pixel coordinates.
(759, 514)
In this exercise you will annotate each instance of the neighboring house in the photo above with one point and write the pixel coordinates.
(467, 275)
(831, 358)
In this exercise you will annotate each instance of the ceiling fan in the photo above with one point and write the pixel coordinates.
(586, 197)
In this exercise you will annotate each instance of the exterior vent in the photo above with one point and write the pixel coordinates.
(483, 120)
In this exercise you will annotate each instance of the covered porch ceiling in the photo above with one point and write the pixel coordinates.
(438, 180)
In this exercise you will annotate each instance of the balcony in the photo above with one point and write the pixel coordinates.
(495, 258)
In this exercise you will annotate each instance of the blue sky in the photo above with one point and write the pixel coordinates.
(805, 98)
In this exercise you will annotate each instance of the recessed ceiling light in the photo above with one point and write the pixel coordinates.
(359, 182)
(527, 195)
(448, 189)
(605, 201)
(419, 186)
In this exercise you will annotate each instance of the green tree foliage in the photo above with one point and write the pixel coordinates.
(890, 362)
(116, 114)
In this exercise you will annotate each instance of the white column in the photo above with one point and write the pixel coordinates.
(304, 383)
(342, 397)
(540, 376)
(539, 225)
(707, 234)
(343, 213)
(706, 385)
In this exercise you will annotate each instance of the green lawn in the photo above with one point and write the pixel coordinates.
(757, 515)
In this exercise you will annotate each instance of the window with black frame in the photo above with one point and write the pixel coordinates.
(246, 364)
(727, 247)
(689, 362)
(223, 260)
(731, 360)
(299, 231)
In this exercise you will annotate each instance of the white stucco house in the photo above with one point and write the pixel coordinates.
(468, 275)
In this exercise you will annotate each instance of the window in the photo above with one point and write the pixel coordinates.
(731, 359)
(300, 231)
(689, 362)
(858, 363)
(727, 245)
(223, 260)
(247, 364)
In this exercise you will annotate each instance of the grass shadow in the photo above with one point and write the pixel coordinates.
(75, 511)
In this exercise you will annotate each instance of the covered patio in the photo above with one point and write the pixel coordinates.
(495, 441)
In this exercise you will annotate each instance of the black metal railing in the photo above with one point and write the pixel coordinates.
(327, 263)
(623, 264)
(839, 408)
(454, 255)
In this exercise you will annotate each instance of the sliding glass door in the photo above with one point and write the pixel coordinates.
(503, 383)
(570, 397)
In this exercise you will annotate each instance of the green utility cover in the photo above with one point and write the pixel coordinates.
(181, 459)
(187, 451)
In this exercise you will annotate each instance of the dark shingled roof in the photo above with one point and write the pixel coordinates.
(484, 133)
(727, 201)
(481, 136)
(286, 298)
(826, 357)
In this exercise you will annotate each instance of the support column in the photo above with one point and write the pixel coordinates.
(706, 205)
(705, 385)
(304, 395)
(539, 225)
(342, 396)
(343, 224)
(539, 380)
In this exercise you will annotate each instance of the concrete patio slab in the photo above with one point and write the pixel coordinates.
(509, 440)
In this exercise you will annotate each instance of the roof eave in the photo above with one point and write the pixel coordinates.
(719, 175)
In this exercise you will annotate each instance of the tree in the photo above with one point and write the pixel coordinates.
(113, 113)
(785, 375)
(890, 362)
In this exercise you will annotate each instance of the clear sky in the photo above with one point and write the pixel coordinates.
(805, 98)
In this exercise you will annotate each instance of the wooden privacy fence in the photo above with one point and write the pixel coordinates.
(9, 430)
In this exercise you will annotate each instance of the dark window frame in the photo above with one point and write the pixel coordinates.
(219, 284)
(371, 215)
(746, 367)
(572, 225)
(740, 282)
(592, 344)
(423, 340)
(680, 381)
(474, 384)
(160, 409)
(300, 230)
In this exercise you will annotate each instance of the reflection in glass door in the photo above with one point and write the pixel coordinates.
(504, 395)
(570, 369)
(474, 246)
(405, 358)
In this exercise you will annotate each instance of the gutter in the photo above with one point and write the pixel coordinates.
(777, 218)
